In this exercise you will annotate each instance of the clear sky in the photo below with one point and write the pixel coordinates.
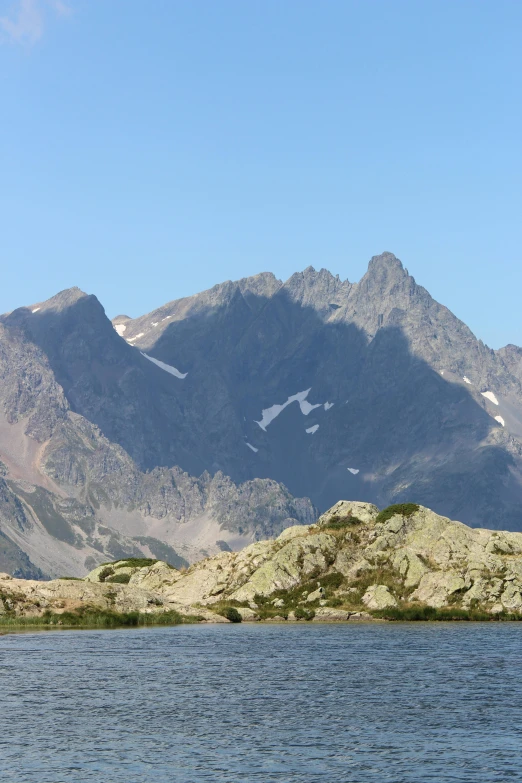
(152, 148)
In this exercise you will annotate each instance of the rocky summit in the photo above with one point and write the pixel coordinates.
(354, 563)
(220, 419)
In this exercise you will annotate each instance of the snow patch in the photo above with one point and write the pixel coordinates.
(166, 367)
(355, 471)
(269, 414)
(313, 429)
(166, 318)
(120, 328)
(466, 379)
(328, 405)
(35, 310)
(490, 396)
(131, 339)
(251, 447)
(154, 324)
(442, 372)
(500, 420)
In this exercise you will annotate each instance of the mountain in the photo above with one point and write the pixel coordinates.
(370, 389)
(70, 497)
(229, 415)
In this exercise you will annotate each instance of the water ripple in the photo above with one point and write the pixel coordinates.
(295, 704)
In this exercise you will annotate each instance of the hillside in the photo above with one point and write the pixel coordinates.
(354, 563)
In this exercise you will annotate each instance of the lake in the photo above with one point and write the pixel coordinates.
(307, 702)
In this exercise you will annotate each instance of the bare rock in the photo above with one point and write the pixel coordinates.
(378, 597)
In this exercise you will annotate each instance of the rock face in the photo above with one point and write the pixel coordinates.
(368, 388)
(222, 418)
(341, 568)
(69, 496)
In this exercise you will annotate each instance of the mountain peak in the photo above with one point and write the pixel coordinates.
(385, 273)
(65, 298)
(386, 261)
(316, 288)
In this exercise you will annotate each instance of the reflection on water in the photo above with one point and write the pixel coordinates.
(365, 703)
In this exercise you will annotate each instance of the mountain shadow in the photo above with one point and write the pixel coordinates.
(378, 424)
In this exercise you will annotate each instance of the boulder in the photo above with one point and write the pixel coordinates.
(378, 597)
(315, 596)
(511, 598)
(329, 614)
(361, 617)
(366, 512)
(436, 587)
(248, 615)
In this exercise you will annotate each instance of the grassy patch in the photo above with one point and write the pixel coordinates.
(331, 581)
(405, 509)
(90, 617)
(135, 562)
(71, 578)
(122, 579)
(335, 602)
(295, 596)
(377, 576)
(219, 605)
(302, 613)
(341, 523)
(429, 613)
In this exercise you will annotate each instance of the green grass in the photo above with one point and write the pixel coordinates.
(295, 596)
(122, 579)
(89, 617)
(377, 576)
(135, 562)
(341, 523)
(302, 613)
(405, 509)
(429, 613)
(331, 581)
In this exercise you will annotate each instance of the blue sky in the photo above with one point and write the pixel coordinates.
(152, 148)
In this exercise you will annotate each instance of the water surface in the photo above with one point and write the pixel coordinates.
(412, 702)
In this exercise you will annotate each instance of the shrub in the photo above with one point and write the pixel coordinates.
(136, 562)
(406, 509)
(105, 572)
(122, 579)
(340, 523)
(334, 602)
(231, 613)
(331, 581)
(301, 613)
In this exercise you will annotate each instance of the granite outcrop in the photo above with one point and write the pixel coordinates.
(354, 563)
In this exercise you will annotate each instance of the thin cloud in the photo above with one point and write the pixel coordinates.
(25, 22)
(61, 8)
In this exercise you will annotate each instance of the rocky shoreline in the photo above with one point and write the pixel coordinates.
(355, 563)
